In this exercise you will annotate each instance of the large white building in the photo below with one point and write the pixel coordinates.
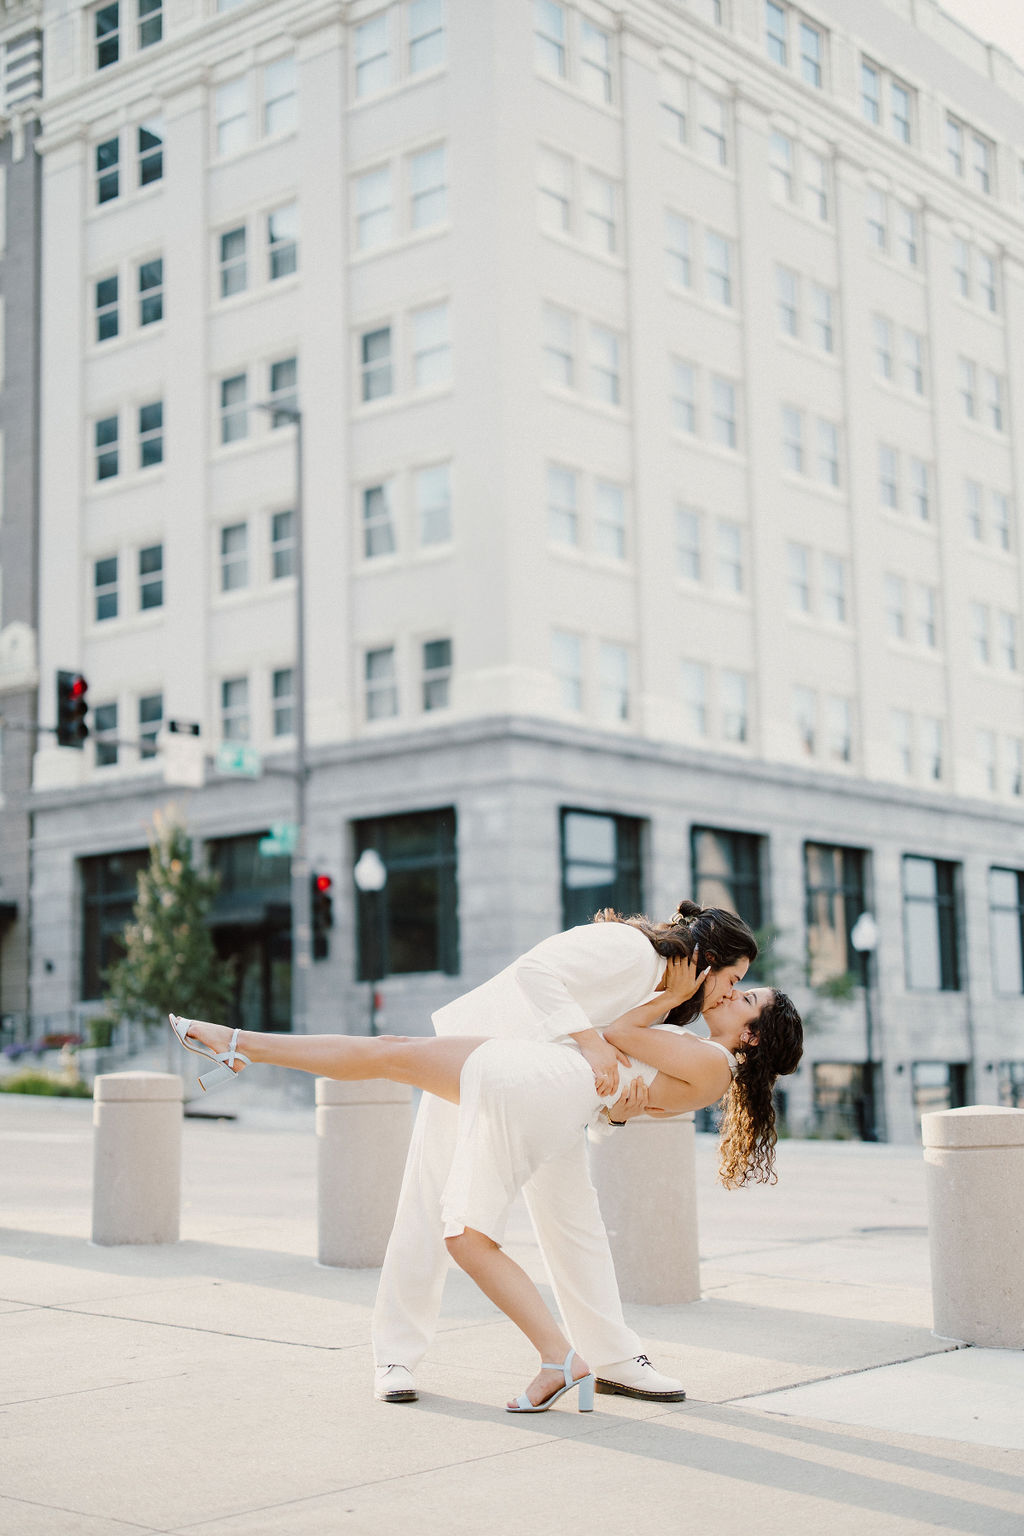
(662, 423)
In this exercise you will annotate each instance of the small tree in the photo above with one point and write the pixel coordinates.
(169, 964)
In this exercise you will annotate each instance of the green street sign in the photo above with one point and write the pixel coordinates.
(283, 837)
(235, 757)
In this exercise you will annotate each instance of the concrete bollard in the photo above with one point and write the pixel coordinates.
(646, 1181)
(136, 1157)
(974, 1176)
(363, 1132)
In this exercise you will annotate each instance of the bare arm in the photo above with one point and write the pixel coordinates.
(691, 1074)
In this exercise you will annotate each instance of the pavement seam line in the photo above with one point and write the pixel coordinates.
(15, 1498)
(857, 1370)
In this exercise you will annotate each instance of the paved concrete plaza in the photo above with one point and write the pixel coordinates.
(221, 1386)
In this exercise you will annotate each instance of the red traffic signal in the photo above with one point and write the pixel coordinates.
(322, 883)
(322, 913)
(72, 709)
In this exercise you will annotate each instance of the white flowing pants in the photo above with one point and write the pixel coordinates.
(563, 1207)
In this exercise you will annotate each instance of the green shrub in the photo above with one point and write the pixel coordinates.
(100, 1032)
(43, 1083)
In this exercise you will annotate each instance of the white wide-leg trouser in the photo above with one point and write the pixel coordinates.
(563, 1207)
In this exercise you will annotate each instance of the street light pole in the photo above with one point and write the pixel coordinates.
(302, 927)
(371, 876)
(864, 938)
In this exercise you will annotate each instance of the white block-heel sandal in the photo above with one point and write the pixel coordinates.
(225, 1059)
(522, 1403)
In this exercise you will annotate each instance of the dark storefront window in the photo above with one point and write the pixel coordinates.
(251, 922)
(109, 893)
(1011, 1084)
(728, 872)
(1006, 914)
(601, 865)
(411, 925)
(834, 883)
(838, 1096)
(929, 922)
(938, 1085)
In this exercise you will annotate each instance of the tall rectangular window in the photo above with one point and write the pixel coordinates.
(882, 331)
(835, 894)
(428, 187)
(425, 21)
(907, 239)
(678, 249)
(234, 709)
(151, 291)
(282, 242)
(955, 146)
(822, 318)
(234, 557)
(896, 607)
(234, 408)
(734, 705)
(816, 186)
(375, 363)
(713, 123)
(105, 438)
(108, 171)
(563, 519)
(718, 267)
(595, 61)
(1006, 640)
(793, 439)
(839, 722)
(431, 348)
(833, 588)
(811, 55)
(780, 167)
(151, 434)
(233, 267)
(433, 498)
(933, 748)
(684, 396)
(231, 115)
(282, 691)
(1000, 519)
(994, 393)
(373, 60)
(280, 96)
(559, 332)
(151, 22)
(549, 38)
(609, 520)
(877, 218)
(282, 545)
(973, 509)
(613, 681)
(1006, 925)
(913, 362)
(600, 213)
(724, 428)
(601, 865)
(888, 475)
(981, 648)
(986, 270)
(729, 568)
(775, 33)
(109, 893)
(728, 872)
(373, 208)
(106, 308)
(920, 489)
(567, 665)
(554, 190)
(151, 577)
(151, 718)
(961, 267)
(688, 541)
(967, 374)
(107, 35)
(437, 674)
(930, 924)
(604, 365)
(105, 735)
(675, 91)
(378, 521)
(695, 697)
(926, 628)
(871, 93)
(150, 149)
(412, 925)
(805, 718)
(798, 564)
(104, 585)
(381, 682)
(786, 301)
(828, 452)
(283, 391)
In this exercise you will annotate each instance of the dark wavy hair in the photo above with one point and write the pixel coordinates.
(748, 1133)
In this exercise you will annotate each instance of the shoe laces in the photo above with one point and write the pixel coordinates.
(642, 1360)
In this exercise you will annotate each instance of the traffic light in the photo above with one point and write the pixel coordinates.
(72, 708)
(322, 913)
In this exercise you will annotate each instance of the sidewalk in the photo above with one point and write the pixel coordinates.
(221, 1386)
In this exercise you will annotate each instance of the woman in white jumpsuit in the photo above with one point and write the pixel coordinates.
(523, 1105)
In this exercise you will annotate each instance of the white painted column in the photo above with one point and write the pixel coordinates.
(363, 1132)
(646, 1181)
(136, 1181)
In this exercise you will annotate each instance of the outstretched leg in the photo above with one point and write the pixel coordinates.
(433, 1064)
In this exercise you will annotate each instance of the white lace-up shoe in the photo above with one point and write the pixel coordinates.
(394, 1384)
(638, 1378)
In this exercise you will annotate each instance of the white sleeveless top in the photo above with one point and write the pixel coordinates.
(647, 1073)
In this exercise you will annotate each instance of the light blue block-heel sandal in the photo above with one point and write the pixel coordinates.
(225, 1059)
(522, 1403)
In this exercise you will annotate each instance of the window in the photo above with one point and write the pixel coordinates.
(895, 607)
(955, 146)
(1014, 757)
(907, 238)
(109, 893)
(600, 213)
(968, 388)
(234, 709)
(378, 521)
(567, 665)
(902, 740)
(678, 249)
(775, 39)
(986, 271)
(425, 35)
(790, 35)
(727, 872)
(234, 557)
(674, 106)
(786, 301)
(695, 697)
(1000, 519)
(688, 553)
(798, 564)
(373, 61)
(603, 361)
(828, 452)
(105, 437)
(877, 218)
(981, 648)
(835, 894)
(1010, 1081)
(282, 545)
(595, 61)
(713, 124)
(150, 147)
(104, 586)
(609, 520)
(961, 267)
(839, 717)
(780, 166)
(234, 408)
(1006, 920)
(233, 266)
(107, 35)
(231, 115)
(816, 199)
(994, 392)
(563, 522)
(805, 718)
(920, 489)
(932, 748)
(822, 318)
(151, 434)
(938, 1085)
(930, 926)
(106, 308)
(433, 498)
(559, 346)
(729, 570)
(375, 363)
(554, 190)
(151, 718)
(283, 241)
(151, 291)
(684, 396)
(734, 706)
(549, 38)
(886, 102)
(428, 187)
(793, 439)
(882, 331)
(280, 100)
(437, 674)
(105, 735)
(833, 588)
(982, 157)
(913, 361)
(283, 393)
(972, 508)
(723, 412)
(381, 684)
(1006, 640)
(840, 1100)
(108, 177)
(986, 749)
(431, 352)
(900, 106)
(926, 631)
(871, 93)
(151, 577)
(282, 689)
(718, 267)
(601, 865)
(613, 681)
(412, 925)
(373, 208)
(151, 22)
(811, 52)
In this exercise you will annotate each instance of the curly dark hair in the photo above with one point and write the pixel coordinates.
(721, 937)
(748, 1134)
